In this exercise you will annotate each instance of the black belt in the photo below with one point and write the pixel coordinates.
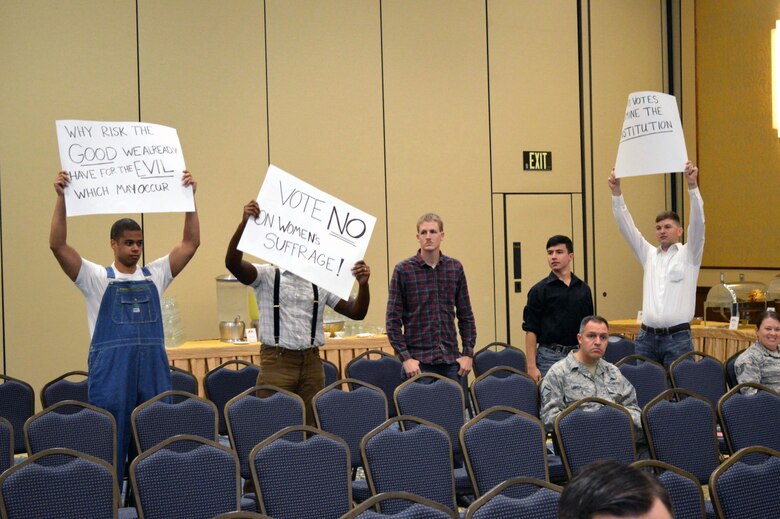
(560, 348)
(667, 331)
(281, 350)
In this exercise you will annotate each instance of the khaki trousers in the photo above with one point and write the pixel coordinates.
(299, 372)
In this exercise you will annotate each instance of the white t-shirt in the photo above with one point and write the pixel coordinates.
(93, 281)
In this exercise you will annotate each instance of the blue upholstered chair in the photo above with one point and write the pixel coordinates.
(729, 371)
(419, 508)
(505, 386)
(186, 476)
(17, 404)
(6, 444)
(384, 372)
(539, 501)
(750, 419)
(742, 490)
(296, 479)
(59, 483)
(65, 387)
(85, 428)
(159, 418)
(685, 492)
(223, 383)
(592, 429)
(182, 380)
(415, 458)
(700, 373)
(618, 347)
(498, 354)
(496, 450)
(647, 376)
(331, 372)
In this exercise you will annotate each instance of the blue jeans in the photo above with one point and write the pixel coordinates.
(545, 358)
(664, 349)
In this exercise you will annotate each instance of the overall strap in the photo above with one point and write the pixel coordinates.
(277, 281)
(314, 312)
(147, 273)
(110, 272)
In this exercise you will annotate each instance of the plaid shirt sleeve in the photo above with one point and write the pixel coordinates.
(393, 315)
(466, 323)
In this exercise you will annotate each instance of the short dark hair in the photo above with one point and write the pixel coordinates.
(609, 487)
(120, 226)
(560, 239)
(593, 319)
(668, 215)
(766, 314)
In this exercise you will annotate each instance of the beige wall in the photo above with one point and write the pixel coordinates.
(399, 107)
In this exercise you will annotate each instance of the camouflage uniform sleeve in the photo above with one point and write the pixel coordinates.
(748, 369)
(629, 401)
(552, 391)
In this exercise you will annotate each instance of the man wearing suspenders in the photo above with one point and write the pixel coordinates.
(291, 312)
(127, 360)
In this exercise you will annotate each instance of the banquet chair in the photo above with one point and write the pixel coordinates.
(680, 429)
(439, 400)
(593, 429)
(496, 450)
(298, 479)
(618, 347)
(415, 459)
(331, 372)
(158, 419)
(186, 476)
(704, 376)
(242, 514)
(384, 372)
(17, 404)
(505, 386)
(182, 380)
(540, 500)
(503, 355)
(351, 415)
(6, 444)
(64, 388)
(748, 420)
(420, 508)
(86, 428)
(729, 370)
(60, 483)
(647, 376)
(222, 383)
(685, 492)
(742, 490)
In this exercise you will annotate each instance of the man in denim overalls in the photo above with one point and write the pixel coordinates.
(127, 360)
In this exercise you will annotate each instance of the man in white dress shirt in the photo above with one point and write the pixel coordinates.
(671, 272)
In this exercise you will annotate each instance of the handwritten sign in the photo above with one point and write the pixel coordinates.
(652, 139)
(122, 167)
(307, 231)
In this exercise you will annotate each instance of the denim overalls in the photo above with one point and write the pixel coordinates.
(127, 360)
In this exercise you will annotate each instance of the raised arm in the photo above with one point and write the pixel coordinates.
(696, 223)
(357, 307)
(244, 271)
(68, 258)
(183, 252)
(633, 237)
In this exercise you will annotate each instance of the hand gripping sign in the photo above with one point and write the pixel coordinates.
(307, 231)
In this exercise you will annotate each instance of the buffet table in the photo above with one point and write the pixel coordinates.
(199, 357)
(716, 340)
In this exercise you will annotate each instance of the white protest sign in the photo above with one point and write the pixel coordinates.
(122, 167)
(307, 231)
(652, 139)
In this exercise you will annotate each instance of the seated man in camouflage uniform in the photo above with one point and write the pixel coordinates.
(583, 373)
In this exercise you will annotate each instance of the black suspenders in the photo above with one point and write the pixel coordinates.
(315, 290)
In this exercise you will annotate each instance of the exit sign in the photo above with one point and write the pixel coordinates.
(537, 160)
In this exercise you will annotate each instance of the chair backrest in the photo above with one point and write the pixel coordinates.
(6, 444)
(222, 383)
(331, 372)
(186, 476)
(751, 419)
(411, 459)
(618, 347)
(704, 376)
(62, 388)
(350, 415)
(256, 414)
(682, 432)
(59, 483)
(540, 500)
(592, 429)
(746, 490)
(685, 492)
(85, 428)
(503, 355)
(309, 478)
(497, 450)
(419, 508)
(434, 398)
(183, 380)
(159, 418)
(729, 370)
(647, 376)
(506, 387)
(17, 404)
(242, 514)
(384, 372)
